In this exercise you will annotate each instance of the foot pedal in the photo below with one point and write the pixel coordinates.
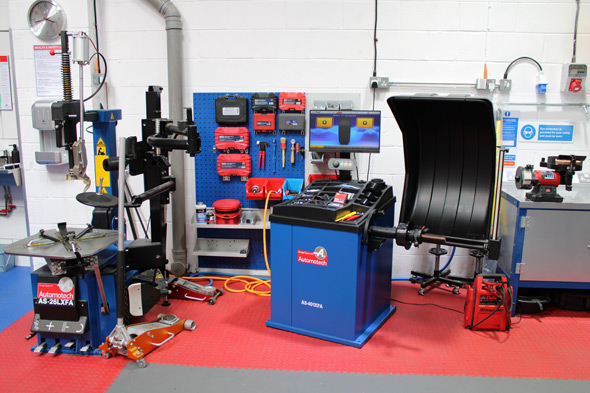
(85, 348)
(55, 348)
(40, 348)
(70, 344)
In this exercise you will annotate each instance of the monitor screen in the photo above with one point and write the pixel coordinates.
(344, 131)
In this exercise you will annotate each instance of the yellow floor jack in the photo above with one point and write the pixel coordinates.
(136, 341)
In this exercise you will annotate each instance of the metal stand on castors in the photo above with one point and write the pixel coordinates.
(437, 277)
(478, 255)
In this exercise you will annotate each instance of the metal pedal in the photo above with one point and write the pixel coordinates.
(40, 348)
(70, 344)
(85, 348)
(55, 348)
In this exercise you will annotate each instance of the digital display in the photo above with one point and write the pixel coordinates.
(345, 131)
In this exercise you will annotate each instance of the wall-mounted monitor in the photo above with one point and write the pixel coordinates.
(345, 131)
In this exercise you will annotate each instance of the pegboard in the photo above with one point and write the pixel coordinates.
(210, 187)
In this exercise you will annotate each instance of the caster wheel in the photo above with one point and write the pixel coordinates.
(220, 291)
(211, 301)
(141, 363)
(106, 355)
(421, 292)
(413, 280)
(456, 290)
(189, 325)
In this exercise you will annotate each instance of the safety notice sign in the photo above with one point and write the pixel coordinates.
(546, 132)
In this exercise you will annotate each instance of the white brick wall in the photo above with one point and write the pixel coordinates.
(317, 46)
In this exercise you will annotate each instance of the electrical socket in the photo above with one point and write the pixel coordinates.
(505, 84)
(379, 82)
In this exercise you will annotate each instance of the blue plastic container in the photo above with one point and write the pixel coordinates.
(292, 184)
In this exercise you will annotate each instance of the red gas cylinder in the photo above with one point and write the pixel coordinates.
(227, 211)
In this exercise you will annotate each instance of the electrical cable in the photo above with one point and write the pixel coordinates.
(450, 259)
(375, 41)
(518, 61)
(103, 79)
(374, 74)
(427, 304)
(96, 33)
(576, 30)
(370, 154)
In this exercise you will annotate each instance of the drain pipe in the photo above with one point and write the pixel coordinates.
(171, 15)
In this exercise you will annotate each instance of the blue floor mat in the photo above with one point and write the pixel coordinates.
(16, 295)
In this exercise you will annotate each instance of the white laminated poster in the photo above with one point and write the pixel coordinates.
(48, 70)
(5, 86)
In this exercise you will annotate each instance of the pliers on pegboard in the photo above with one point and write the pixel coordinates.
(262, 154)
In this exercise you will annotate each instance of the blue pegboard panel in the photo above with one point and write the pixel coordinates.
(210, 187)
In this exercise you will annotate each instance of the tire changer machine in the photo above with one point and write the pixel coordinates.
(82, 292)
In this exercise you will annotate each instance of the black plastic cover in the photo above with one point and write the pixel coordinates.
(450, 158)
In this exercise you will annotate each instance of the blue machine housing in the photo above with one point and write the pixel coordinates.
(84, 335)
(326, 282)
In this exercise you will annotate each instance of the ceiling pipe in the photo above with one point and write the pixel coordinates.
(171, 15)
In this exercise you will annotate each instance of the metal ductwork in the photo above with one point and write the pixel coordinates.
(174, 48)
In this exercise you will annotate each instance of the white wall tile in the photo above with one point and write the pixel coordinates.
(313, 15)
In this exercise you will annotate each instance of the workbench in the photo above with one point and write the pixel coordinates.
(546, 244)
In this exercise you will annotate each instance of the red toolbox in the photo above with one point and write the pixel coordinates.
(292, 101)
(227, 211)
(264, 122)
(237, 138)
(234, 164)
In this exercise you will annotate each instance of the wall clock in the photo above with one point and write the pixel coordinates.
(46, 19)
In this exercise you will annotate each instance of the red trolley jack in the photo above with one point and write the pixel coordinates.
(185, 289)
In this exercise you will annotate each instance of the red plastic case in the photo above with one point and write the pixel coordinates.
(227, 211)
(234, 164)
(265, 122)
(292, 101)
(227, 138)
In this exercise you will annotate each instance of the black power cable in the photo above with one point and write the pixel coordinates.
(374, 73)
(375, 41)
(426, 304)
(96, 32)
(103, 79)
(576, 30)
(518, 60)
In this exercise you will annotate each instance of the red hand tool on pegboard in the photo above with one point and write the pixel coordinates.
(262, 154)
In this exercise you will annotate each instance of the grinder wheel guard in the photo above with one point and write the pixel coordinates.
(450, 158)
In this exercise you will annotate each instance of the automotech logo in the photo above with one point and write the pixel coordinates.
(318, 257)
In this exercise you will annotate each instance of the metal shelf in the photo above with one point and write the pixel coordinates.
(10, 175)
(254, 214)
(233, 248)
